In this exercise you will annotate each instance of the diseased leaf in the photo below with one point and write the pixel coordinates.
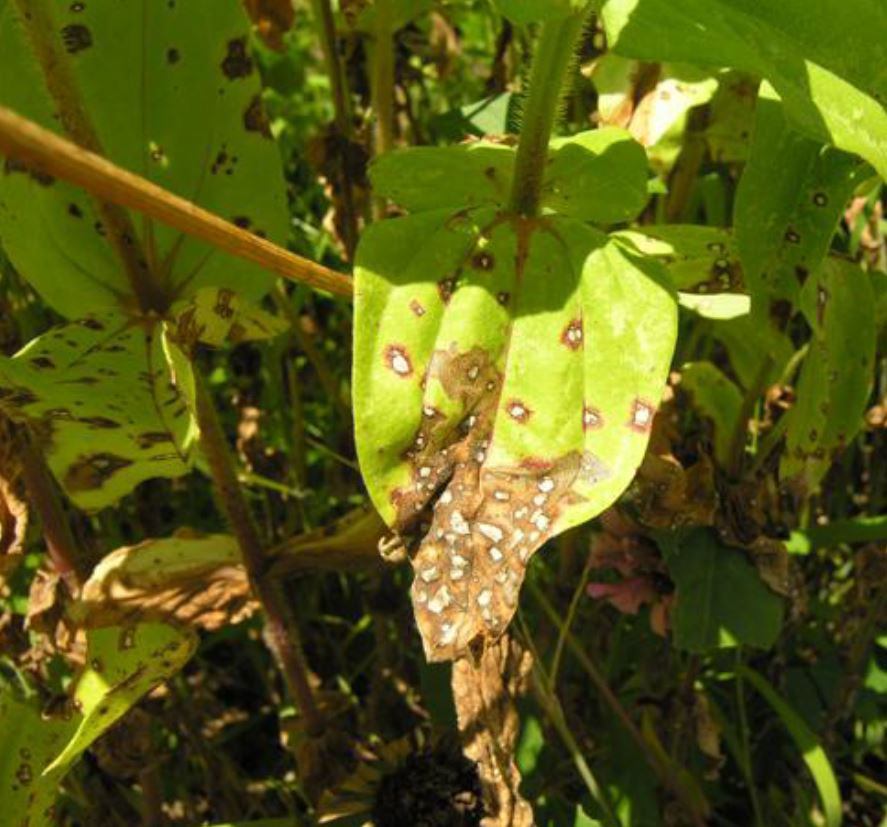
(13, 508)
(720, 600)
(174, 96)
(790, 199)
(830, 92)
(599, 176)
(506, 376)
(194, 579)
(123, 663)
(100, 394)
(836, 377)
(31, 739)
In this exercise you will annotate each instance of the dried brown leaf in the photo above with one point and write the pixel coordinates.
(13, 509)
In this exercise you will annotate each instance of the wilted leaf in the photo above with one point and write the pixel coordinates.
(100, 394)
(830, 92)
(790, 199)
(174, 95)
(194, 579)
(720, 600)
(836, 377)
(485, 420)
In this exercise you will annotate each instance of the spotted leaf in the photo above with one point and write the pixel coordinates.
(836, 377)
(506, 376)
(99, 392)
(174, 95)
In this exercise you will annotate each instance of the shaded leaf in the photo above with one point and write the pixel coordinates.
(100, 394)
(531, 11)
(13, 508)
(836, 377)
(174, 96)
(484, 421)
(720, 600)
(191, 578)
(830, 92)
(718, 399)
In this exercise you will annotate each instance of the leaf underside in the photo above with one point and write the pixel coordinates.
(506, 376)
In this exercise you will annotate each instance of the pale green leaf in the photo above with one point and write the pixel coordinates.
(720, 306)
(475, 392)
(836, 377)
(100, 393)
(720, 601)
(174, 96)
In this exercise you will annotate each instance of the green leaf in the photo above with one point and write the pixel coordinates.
(532, 11)
(717, 398)
(749, 344)
(174, 96)
(123, 663)
(30, 742)
(836, 377)
(599, 176)
(830, 92)
(475, 393)
(790, 199)
(699, 259)
(720, 306)
(100, 393)
(530, 745)
(402, 12)
(811, 750)
(720, 601)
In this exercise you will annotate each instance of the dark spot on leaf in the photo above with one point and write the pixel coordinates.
(224, 308)
(255, 119)
(18, 397)
(571, 335)
(24, 774)
(99, 227)
(77, 7)
(416, 307)
(99, 423)
(716, 247)
(801, 274)
(592, 419)
(172, 56)
(398, 360)
(76, 38)
(483, 260)
(237, 62)
(503, 298)
(446, 287)
(42, 362)
(781, 312)
(792, 237)
(242, 221)
(641, 418)
(820, 199)
(92, 470)
(74, 211)
(490, 172)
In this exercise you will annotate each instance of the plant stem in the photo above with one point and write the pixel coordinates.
(554, 55)
(326, 27)
(60, 542)
(283, 637)
(382, 88)
(26, 141)
(746, 745)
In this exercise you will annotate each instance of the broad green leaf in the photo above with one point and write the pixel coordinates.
(749, 345)
(599, 176)
(790, 199)
(30, 742)
(532, 11)
(402, 12)
(831, 93)
(720, 306)
(720, 601)
(194, 579)
(123, 663)
(215, 315)
(100, 393)
(174, 95)
(731, 112)
(718, 399)
(483, 419)
(836, 377)
(811, 750)
(700, 259)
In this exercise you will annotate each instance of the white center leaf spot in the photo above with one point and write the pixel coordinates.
(491, 532)
(458, 523)
(484, 598)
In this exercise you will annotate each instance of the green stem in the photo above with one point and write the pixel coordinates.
(554, 55)
(382, 88)
(283, 636)
(744, 736)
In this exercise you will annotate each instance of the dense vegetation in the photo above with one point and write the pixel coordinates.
(502, 443)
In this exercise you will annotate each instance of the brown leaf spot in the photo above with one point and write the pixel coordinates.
(571, 336)
(641, 418)
(483, 260)
(42, 362)
(172, 56)
(592, 419)
(76, 38)
(518, 411)
(98, 423)
(417, 308)
(503, 298)
(237, 62)
(91, 471)
(255, 119)
(398, 360)
(446, 287)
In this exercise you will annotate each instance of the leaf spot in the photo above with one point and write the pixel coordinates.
(417, 308)
(398, 360)
(642, 413)
(591, 419)
(571, 336)
(518, 411)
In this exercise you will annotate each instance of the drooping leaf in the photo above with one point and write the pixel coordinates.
(836, 377)
(100, 394)
(790, 198)
(599, 176)
(194, 579)
(506, 375)
(720, 600)
(830, 92)
(173, 95)
(123, 663)
(30, 742)
(717, 398)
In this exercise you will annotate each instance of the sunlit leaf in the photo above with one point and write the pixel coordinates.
(506, 377)
(173, 95)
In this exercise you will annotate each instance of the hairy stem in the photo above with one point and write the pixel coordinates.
(282, 636)
(42, 34)
(42, 494)
(26, 141)
(326, 28)
(554, 55)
